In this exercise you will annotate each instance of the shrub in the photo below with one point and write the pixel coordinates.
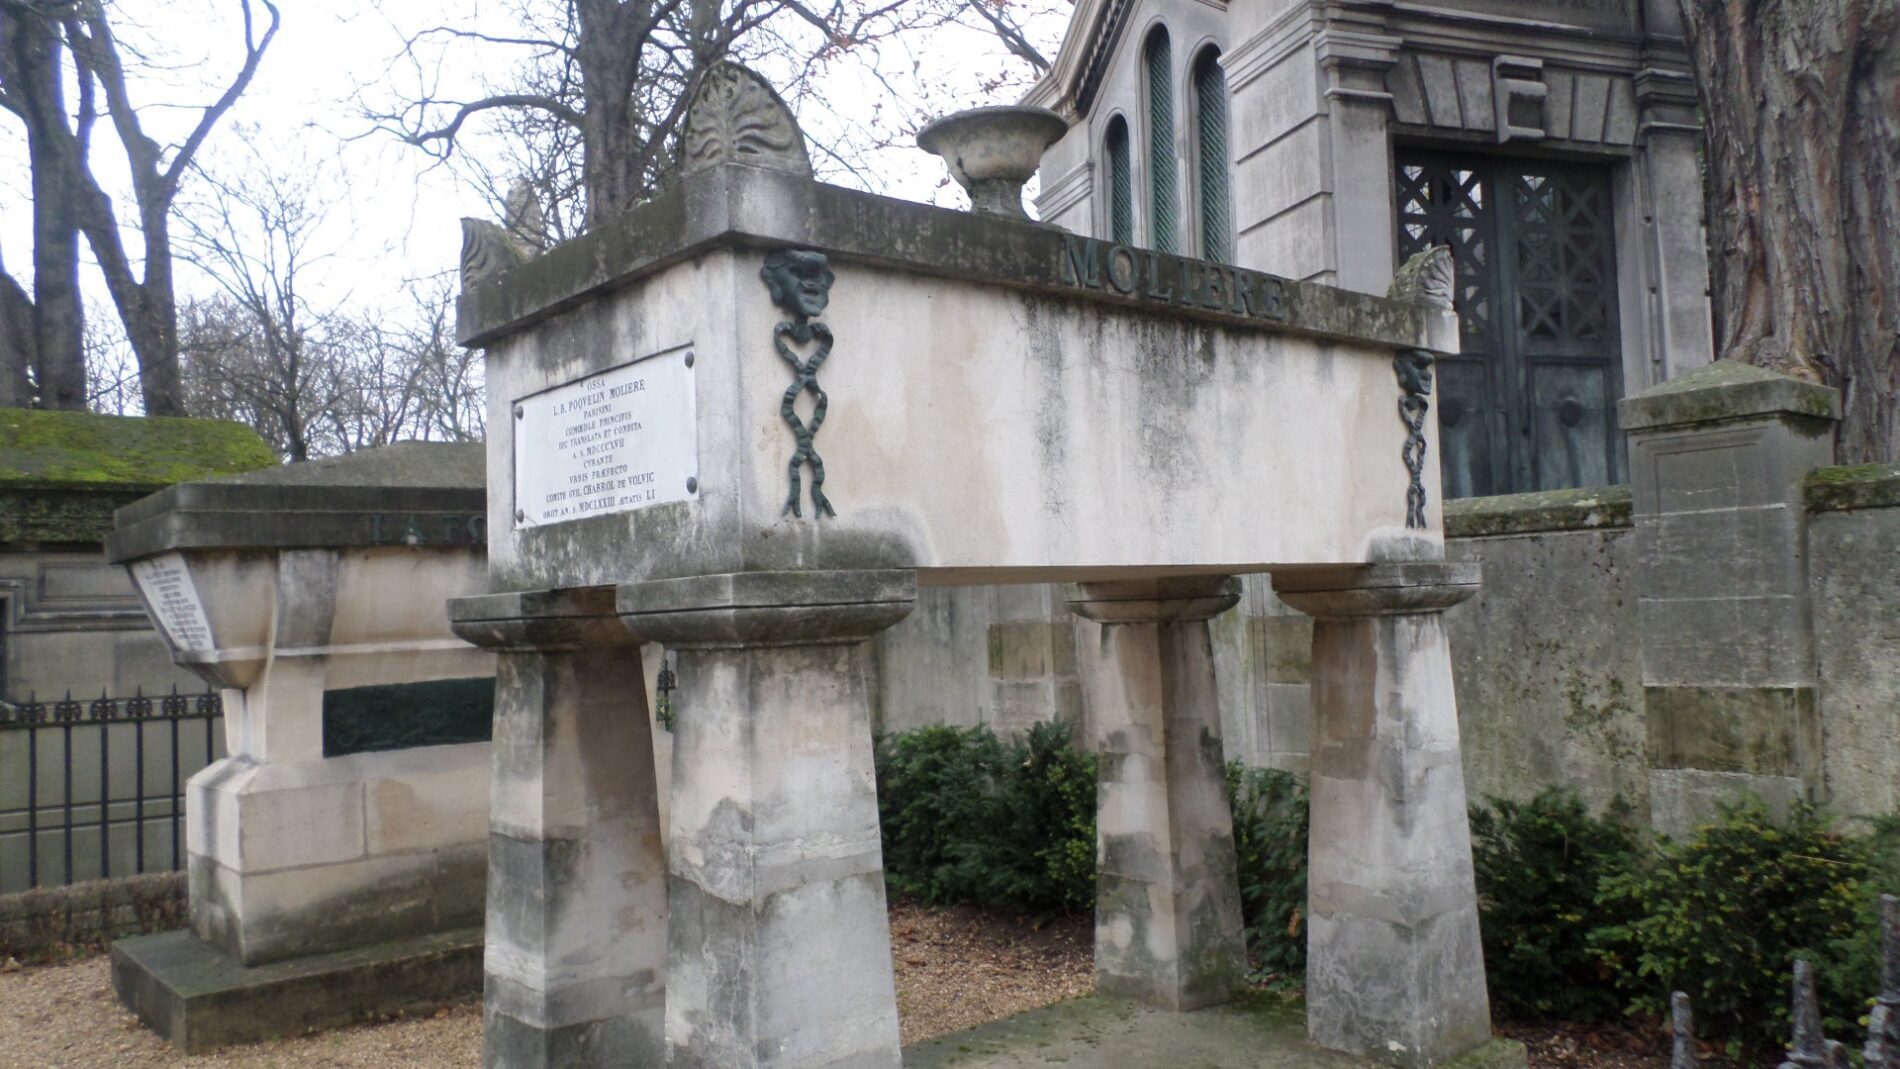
(969, 818)
(1270, 821)
(1723, 914)
(1538, 864)
(934, 786)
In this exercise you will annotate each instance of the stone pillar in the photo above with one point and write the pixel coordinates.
(1717, 460)
(576, 935)
(779, 948)
(1394, 967)
(1167, 908)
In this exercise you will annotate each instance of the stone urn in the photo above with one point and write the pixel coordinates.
(993, 151)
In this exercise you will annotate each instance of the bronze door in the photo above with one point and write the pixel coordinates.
(1531, 402)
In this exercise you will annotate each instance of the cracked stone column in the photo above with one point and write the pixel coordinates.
(779, 941)
(1168, 928)
(1394, 967)
(576, 932)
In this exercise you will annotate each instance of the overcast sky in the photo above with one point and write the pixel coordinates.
(390, 214)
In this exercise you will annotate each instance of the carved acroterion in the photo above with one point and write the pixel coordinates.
(735, 117)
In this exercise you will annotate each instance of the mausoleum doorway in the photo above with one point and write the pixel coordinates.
(1530, 403)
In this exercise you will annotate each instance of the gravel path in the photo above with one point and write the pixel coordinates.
(955, 968)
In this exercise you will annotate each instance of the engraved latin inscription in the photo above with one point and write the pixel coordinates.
(617, 441)
(173, 599)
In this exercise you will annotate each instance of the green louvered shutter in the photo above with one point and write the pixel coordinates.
(1121, 185)
(1210, 106)
(1164, 202)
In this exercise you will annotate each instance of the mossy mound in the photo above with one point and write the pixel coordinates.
(39, 446)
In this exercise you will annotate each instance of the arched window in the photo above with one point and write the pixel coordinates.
(1164, 202)
(1210, 113)
(1121, 184)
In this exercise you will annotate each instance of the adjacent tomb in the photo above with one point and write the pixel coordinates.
(337, 857)
(751, 417)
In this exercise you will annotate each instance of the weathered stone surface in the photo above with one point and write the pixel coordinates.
(1727, 390)
(1167, 911)
(1854, 593)
(1394, 965)
(1870, 486)
(199, 999)
(577, 906)
(1546, 510)
(408, 494)
(778, 941)
(1548, 663)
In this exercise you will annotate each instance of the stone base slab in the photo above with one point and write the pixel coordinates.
(1263, 1029)
(194, 995)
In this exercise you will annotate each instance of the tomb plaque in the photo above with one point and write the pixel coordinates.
(173, 598)
(619, 440)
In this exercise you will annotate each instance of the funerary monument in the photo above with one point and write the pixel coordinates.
(749, 419)
(337, 857)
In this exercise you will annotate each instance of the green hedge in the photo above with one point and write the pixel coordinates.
(1581, 918)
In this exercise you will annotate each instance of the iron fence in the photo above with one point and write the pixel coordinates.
(95, 789)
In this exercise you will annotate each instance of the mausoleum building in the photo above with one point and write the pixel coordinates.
(1552, 144)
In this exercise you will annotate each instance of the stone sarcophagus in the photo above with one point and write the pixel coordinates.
(351, 815)
(746, 420)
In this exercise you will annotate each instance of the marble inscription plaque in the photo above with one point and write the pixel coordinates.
(620, 440)
(173, 600)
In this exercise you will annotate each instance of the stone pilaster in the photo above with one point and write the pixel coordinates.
(1394, 966)
(779, 941)
(1167, 909)
(1717, 459)
(576, 929)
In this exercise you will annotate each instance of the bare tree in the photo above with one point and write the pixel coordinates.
(41, 341)
(593, 92)
(1802, 110)
(68, 198)
(314, 379)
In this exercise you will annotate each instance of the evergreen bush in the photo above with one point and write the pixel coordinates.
(1538, 865)
(969, 818)
(1270, 827)
(1723, 915)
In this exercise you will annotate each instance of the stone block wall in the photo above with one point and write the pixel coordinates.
(1548, 658)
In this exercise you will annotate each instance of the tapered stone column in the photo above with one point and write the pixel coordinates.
(1394, 968)
(576, 937)
(779, 949)
(1167, 909)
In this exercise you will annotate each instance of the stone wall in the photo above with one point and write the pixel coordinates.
(1547, 657)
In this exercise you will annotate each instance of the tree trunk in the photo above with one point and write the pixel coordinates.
(32, 70)
(612, 34)
(16, 343)
(153, 328)
(1802, 106)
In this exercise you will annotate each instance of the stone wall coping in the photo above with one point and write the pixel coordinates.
(420, 494)
(1586, 509)
(1723, 391)
(736, 205)
(1868, 486)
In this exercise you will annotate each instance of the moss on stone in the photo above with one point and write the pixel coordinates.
(84, 448)
(1727, 390)
(1868, 486)
(1589, 508)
